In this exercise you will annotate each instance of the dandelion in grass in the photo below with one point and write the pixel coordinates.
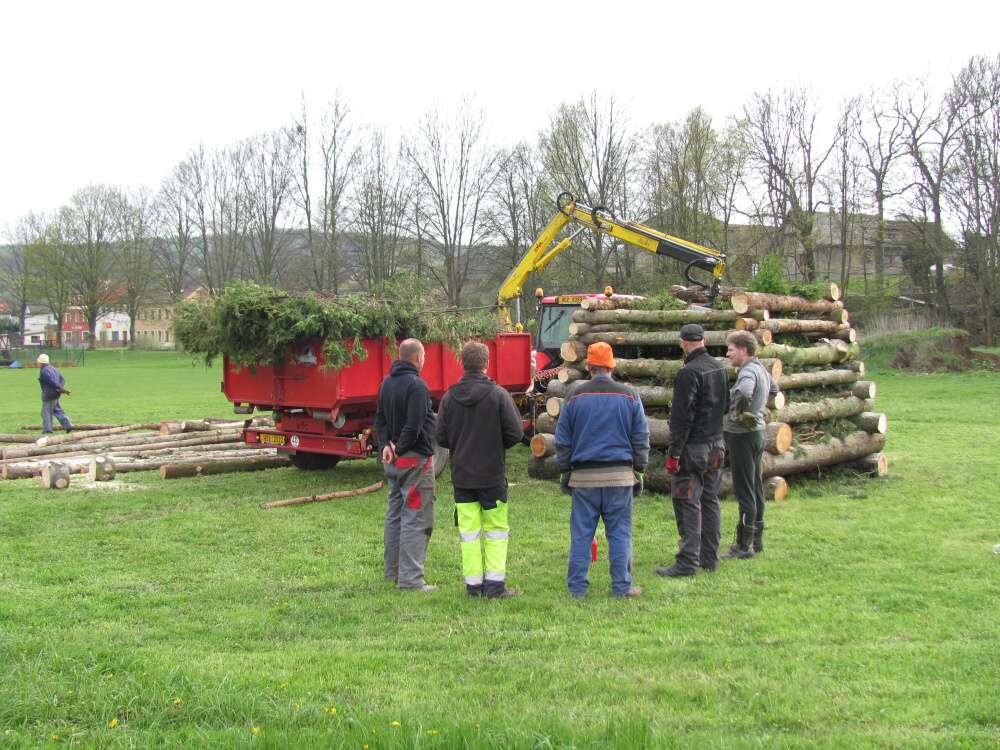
(177, 701)
(295, 706)
(394, 724)
(284, 686)
(56, 738)
(254, 731)
(113, 723)
(332, 710)
(432, 732)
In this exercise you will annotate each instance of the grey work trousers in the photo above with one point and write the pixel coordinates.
(695, 492)
(52, 409)
(409, 518)
(746, 456)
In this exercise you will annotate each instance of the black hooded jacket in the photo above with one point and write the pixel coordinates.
(478, 421)
(405, 415)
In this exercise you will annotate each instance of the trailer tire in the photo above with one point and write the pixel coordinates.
(440, 460)
(314, 461)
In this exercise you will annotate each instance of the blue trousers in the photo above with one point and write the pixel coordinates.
(53, 409)
(614, 506)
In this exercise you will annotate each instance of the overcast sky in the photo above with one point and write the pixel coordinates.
(119, 92)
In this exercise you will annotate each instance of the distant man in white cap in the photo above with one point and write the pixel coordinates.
(53, 386)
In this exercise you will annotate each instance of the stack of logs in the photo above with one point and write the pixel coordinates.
(823, 416)
(175, 448)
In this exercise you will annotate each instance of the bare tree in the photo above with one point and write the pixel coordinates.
(879, 132)
(973, 187)
(516, 214)
(17, 268)
(381, 206)
(136, 254)
(456, 168)
(780, 135)
(51, 279)
(730, 175)
(268, 176)
(931, 137)
(175, 230)
(589, 150)
(92, 226)
(843, 186)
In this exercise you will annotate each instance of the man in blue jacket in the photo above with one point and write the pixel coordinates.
(602, 439)
(52, 383)
(404, 425)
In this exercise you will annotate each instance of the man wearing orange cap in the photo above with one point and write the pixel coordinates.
(602, 439)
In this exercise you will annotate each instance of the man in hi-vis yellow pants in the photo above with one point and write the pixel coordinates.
(478, 422)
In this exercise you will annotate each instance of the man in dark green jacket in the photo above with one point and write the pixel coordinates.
(478, 421)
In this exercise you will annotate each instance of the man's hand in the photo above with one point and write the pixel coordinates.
(66, 391)
(389, 453)
(564, 483)
(673, 465)
(640, 484)
(748, 420)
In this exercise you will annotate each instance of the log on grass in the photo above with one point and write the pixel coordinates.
(820, 455)
(102, 469)
(658, 480)
(744, 301)
(875, 464)
(54, 476)
(818, 411)
(69, 437)
(323, 498)
(871, 421)
(158, 462)
(203, 468)
(122, 441)
(817, 379)
(12, 438)
(32, 469)
(184, 425)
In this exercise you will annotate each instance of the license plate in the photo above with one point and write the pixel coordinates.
(272, 439)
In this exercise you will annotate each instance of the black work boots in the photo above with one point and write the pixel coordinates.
(743, 548)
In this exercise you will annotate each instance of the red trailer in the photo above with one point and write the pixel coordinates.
(322, 415)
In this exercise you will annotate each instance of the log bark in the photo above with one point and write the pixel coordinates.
(158, 462)
(12, 438)
(543, 445)
(840, 315)
(83, 427)
(543, 468)
(614, 302)
(871, 421)
(802, 325)
(102, 469)
(673, 318)
(323, 498)
(800, 380)
(19, 452)
(578, 329)
(848, 334)
(875, 464)
(185, 425)
(820, 455)
(745, 301)
(817, 411)
(854, 366)
(204, 468)
(556, 388)
(657, 338)
(658, 480)
(34, 469)
(654, 395)
(700, 296)
(54, 476)
(545, 423)
(778, 438)
(822, 354)
(50, 440)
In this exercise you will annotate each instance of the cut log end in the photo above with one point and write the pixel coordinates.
(775, 488)
(54, 476)
(779, 437)
(543, 445)
(102, 469)
(876, 464)
(864, 389)
(553, 406)
(779, 401)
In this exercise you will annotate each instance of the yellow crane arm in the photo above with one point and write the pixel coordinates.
(599, 219)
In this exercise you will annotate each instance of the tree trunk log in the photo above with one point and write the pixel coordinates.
(802, 325)
(745, 301)
(556, 388)
(545, 423)
(568, 374)
(543, 445)
(203, 468)
(864, 389)
(186, 425)
(323, 498)
(658, 480)
(654, 395)
(12, 438)
(876, 464)
(614, 302)
(657, 338)
(553, 407)
(102, 469)
(812, 457)
(871, 421)
(779, 438)
(543, 468)
(848, 334)
(54, 476)
(673, 318)
(578, 329)
(29, 470)
(573, 351)
(50, 440)
(822, 354)
(799, 380)
(777, 401)
(700, 296)
(124, 441)
(817, 411)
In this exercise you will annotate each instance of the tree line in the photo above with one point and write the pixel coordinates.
(329, 203)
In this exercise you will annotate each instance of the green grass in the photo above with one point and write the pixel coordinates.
(191, 617)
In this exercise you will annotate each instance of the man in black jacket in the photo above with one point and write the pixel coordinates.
(404, 426)
(478, 421)
(696, 454)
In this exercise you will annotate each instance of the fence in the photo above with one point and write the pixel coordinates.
(27, 356)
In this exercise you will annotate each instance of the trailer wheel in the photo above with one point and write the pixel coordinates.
(440, 460)
(314, 461)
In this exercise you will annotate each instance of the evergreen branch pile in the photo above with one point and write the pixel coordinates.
(254, 324)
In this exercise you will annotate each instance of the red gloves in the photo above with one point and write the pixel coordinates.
(673, 464)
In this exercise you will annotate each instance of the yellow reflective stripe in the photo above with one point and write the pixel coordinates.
(497, 534)
(469, 536)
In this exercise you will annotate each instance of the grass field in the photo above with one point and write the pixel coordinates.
(179, 615)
